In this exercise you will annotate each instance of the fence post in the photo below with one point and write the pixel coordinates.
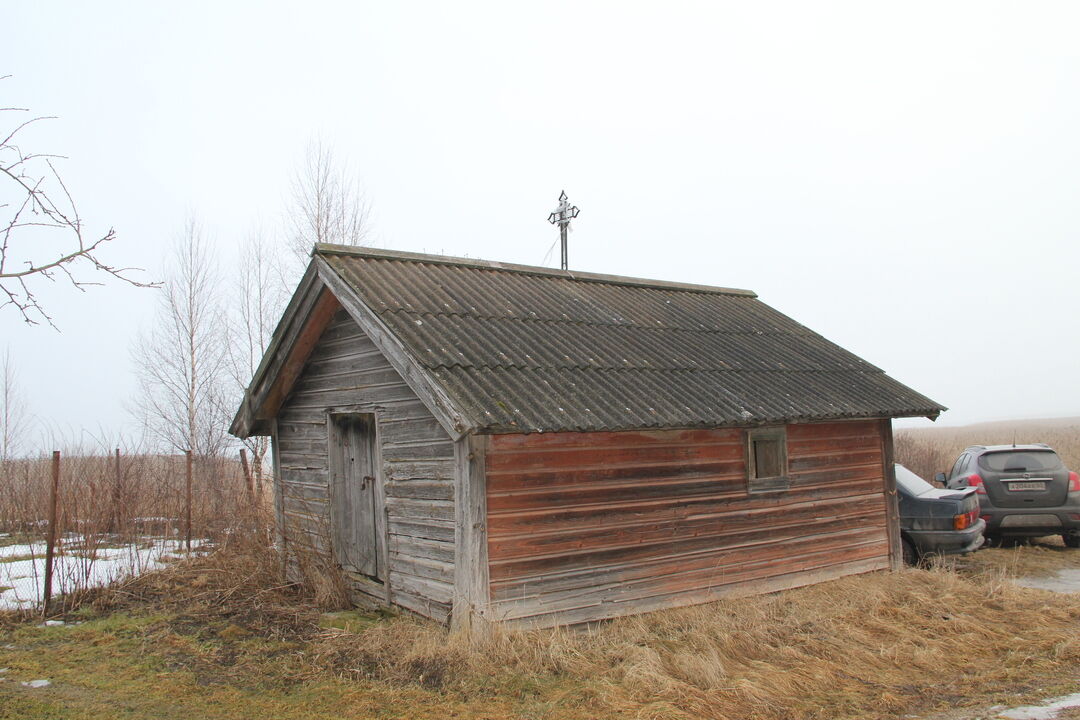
(247, 475)
(118, 481)
(187, 503)
(50, 541)
(257, 462)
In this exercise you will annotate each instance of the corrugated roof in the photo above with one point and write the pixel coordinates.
(524, 349)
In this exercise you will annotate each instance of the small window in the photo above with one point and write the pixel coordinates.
(766, 462)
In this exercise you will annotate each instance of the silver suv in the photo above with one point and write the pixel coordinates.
(1023, 490)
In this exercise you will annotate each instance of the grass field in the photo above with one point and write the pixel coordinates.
(182, 644)
(220, 637)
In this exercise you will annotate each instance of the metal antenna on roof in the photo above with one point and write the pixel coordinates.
(562, 217)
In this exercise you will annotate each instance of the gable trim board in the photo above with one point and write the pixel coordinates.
(440, 405)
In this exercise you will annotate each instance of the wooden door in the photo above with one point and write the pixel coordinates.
(355, 500)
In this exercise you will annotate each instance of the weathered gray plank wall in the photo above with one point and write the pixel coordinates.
(347, 373)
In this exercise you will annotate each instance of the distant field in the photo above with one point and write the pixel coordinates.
(927, 451)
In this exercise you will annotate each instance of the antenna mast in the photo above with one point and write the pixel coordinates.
(562, 217)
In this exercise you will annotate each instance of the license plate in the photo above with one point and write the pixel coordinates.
(1013, 486)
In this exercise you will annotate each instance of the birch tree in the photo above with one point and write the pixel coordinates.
(14, 418)
(327, 205)
(257, 306)
(181, 359)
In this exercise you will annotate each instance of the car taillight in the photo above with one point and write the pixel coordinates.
(963, 522)
(1074, 482)
(976, 482)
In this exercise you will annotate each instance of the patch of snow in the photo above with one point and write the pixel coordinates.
(1042, 712)
(36, 683)
(75, 567)
(51, 623)
(9, 551)
(1066, 581)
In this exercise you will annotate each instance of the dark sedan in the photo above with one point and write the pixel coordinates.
(935, 521)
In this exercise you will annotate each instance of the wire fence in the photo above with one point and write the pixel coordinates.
(70, 523)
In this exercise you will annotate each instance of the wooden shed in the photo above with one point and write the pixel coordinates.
(476, 441)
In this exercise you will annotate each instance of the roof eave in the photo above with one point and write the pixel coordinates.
(246, 422)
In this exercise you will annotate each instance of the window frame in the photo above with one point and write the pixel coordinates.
(777, 483)
(958, 466)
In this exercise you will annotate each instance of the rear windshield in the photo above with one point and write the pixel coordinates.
(1021, 461)
(911, 482)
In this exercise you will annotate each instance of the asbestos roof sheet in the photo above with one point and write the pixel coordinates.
(523, 349)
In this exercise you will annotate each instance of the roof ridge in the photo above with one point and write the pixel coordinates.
(870, 369)
(475, 263)
(805, 332)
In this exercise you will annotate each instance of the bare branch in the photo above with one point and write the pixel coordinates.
(328, 205)
(44, 234)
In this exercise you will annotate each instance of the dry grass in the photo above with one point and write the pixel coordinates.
(1037, 557)
(878, 645)
(871, 646)
(241, 581)
(928, 451)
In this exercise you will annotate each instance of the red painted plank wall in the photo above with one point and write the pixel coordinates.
(583, 526)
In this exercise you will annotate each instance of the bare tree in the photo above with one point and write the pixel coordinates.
(258, 302)
(181, 359)
(43, 236)
(14, 418)
(327, 206)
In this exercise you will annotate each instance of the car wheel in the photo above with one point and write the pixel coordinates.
(908, 550)
(1072, 540)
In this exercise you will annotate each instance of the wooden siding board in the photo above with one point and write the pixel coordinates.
(621, 512)
(423, 529)
(579, 523)
(892, 500)
(705, 553)
(597, 475)
(471, 583)
(670, 583)
(680, 530)
(414, 459)
(527, 614)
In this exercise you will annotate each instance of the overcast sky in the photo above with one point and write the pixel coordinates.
(900, 177)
